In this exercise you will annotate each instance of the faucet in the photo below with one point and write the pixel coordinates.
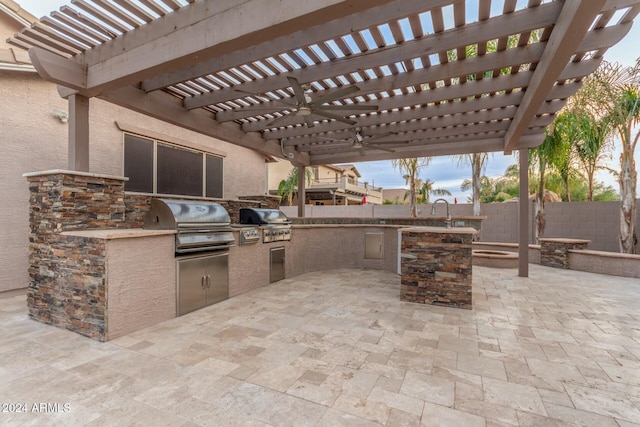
(447, 222)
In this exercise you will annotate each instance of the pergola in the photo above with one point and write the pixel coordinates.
(332, 81)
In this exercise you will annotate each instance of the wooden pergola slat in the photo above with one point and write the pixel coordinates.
(220, 68)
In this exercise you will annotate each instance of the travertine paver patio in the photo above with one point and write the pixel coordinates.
(339, 348)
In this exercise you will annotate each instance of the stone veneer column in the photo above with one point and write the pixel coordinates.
(554, 251)
(266, 201)
(436, 266)
(66, 274)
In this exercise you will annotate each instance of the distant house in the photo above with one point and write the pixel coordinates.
(396, 196)
(122, 143)
(330, 185)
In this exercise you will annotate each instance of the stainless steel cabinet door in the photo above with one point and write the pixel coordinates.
(277, 264)
(217, 278)
(191, 284)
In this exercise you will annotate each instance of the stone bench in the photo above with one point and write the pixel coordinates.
(554, 251)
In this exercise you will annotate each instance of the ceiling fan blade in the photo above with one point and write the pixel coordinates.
(383, 149)
(334, 117)
(347, 107)
(324, 138)
(309, 121)
(297, 90)
(377, 137)
(257, 95)
(274, 121)
(340, 93)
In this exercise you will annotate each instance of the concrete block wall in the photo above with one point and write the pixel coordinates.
(595, 221)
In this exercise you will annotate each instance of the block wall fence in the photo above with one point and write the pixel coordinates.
(595, 221)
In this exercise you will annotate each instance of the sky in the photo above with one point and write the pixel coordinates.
(443, 171)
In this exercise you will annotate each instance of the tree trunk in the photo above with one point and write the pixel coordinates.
(476, 170)
(412, 197)
(627, 181)
(540, 205)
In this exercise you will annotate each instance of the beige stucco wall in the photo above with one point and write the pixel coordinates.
(243, 168)
(33, 139)
(249, 266)
(312, 248)
(603, 263)
(278, 171)
(8, 27)
(329, 247)
(141, 283)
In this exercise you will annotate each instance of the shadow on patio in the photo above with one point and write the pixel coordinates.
(339, 348)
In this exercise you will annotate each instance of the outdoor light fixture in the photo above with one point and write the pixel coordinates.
(303, 111)
(63, 116)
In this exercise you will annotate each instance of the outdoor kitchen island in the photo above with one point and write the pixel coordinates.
(96, 271)
(436, 266)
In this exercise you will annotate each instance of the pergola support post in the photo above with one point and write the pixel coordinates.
(78, 153)
(523, 223)
(302, 195)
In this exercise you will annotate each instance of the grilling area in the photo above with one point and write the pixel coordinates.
(217, 307)
(368, 81)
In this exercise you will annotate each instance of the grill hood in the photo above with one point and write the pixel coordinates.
(166, 214)
(260, 216)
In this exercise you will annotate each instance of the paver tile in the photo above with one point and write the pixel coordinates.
(338, 348)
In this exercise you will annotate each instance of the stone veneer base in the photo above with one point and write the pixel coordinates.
(554, 252)
(67, 274)
(436, 266)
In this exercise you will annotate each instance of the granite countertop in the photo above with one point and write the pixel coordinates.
(562, 240)
(442, 230)
(126, 233)
(347, 225)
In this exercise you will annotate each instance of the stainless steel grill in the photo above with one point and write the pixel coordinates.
(203, 238)
(200, 226)
(276, 227)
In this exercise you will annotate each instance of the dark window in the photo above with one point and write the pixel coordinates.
(179, 171)
(214, 176)
(160, 168)
(138, 164)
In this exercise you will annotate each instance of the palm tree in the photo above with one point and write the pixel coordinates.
(289, 186)
(619, 99)
(425, 190)
(592, 147)
(478, 162)
(568, 133)
(544, 156)
(409, 169)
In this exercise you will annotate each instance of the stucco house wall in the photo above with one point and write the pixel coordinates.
(33, 139)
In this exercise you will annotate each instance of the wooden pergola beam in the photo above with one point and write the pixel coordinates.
(167, 108)
(501, 26)
(574, 21)
(309, 35)
(437, 149)
(187, 36)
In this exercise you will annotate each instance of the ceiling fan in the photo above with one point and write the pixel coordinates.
(363, 143)
(306, 106)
